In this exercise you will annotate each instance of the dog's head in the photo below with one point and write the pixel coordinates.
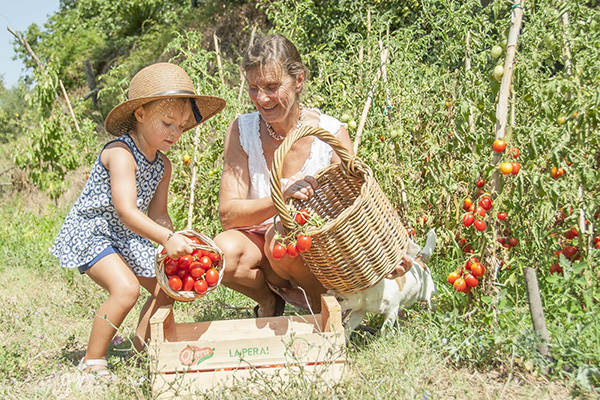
(349, 301)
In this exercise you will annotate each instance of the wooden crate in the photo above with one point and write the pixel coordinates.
(192, 358)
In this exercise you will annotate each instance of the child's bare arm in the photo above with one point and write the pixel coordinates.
(121, 165)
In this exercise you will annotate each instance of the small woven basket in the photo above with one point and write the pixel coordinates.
(206, 244)
(363, 239)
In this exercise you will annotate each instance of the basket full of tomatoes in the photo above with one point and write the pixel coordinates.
(194, 275)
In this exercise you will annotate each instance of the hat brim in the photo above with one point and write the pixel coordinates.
(121, 119)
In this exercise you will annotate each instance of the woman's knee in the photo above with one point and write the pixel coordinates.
(240, 252)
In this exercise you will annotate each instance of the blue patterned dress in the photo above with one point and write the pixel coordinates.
(92, 229)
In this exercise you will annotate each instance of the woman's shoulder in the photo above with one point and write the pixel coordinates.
(329, 123)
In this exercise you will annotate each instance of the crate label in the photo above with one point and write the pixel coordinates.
(191, 355)
(248, 352)
(298, 349)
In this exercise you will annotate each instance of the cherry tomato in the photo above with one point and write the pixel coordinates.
(459, 285)
(471, 280)
(188, 283)
(486, 203)
(175, 283)
(554, 172)
(302, 217)
(556, 269)
(171, 266)
(200, 286)
(499, 145)
(468, 219)
(561, 171)
(570, 252)
(479, 225)
(205, 262)
(214, 257)
(468, 203)
(501, 240)
(197, 254)
(279, 251)
(479, 183)
(196, 270)
(212, 277)
(515, 152)
(480, 211)
(452, 277)
(303, 243)
(185, 261)
(516, 167)
(513, 242)
(477, 269)
(506, 168)
(502, 216)
(182, 273)
(571, 233)
(292, 250)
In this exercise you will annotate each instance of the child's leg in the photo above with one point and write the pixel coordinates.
(113, 274)
(157, 299)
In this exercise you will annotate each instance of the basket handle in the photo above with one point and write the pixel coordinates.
(350, 163)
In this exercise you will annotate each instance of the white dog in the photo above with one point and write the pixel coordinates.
(389, 295)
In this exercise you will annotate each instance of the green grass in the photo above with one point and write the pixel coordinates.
(47, 312)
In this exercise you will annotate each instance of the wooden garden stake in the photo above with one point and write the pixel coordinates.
(468, 68)
(365, 112)
(219, 64)
(41, 66)
(536, 309)
(193, 168)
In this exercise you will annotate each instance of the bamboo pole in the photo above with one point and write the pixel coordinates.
(388, 103)
(193, 168)
(41, 66)
(536, 309)
(369, 100)
(219, 64)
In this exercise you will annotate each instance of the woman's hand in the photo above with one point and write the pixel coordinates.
(402, 268)
(177, 245)
(300, 186)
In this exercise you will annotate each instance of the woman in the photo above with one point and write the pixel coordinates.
(276, 77)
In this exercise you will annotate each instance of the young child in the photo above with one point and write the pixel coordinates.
(108, 234)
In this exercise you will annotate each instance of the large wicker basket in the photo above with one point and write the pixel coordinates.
(206, 244)
(363, 239)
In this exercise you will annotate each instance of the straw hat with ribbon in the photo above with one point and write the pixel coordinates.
(155, 82)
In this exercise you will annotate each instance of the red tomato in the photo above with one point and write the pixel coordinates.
(205, 262)
(516, 167)
(513, 242)
(452, 277)
(197, 254)
(279, 251)
(175, 283)
(501, 240)
(571, 233)
(195, 239)
(477, 269)
(302, 217)
(292, 250)
(556, 269)
(185, 261)
(212, 277)
(471, 280)
(561, 171)
(182, 273)
(196, 270)
(502, 215)
(486, 203)
(170, 266)
(479, 183)
(468, 265)
(200, 286)
(499, 145)
(480, 211)
(188, 283)
(468, 219)
(515, 152)
(479, 225)
(304, 242)
(570, 252)
(460, 285)
(214, 257)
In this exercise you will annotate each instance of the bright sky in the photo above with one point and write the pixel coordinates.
(18, 15)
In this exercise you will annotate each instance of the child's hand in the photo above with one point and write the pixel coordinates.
(178, 245)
